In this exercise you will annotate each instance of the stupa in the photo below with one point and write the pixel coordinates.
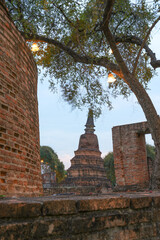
(87, 166)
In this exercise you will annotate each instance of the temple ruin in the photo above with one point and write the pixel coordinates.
(132, 169)
(87, 166)
(113, 216)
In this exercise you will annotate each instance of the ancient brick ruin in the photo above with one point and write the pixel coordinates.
(87, 167)
(116, 216)
(19, 126)
(109, 217)
(19, 130)
(130, 159)
(48, 179)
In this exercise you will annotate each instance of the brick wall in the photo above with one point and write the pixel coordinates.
(110, 217)
(130, 157)
(19, 127)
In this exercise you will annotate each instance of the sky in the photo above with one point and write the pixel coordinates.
(61, 127)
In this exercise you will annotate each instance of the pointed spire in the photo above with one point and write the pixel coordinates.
(90, 123)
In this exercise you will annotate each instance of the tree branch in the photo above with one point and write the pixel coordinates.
(132, 39)
(99, 61)
(124, 69)
(143, 43)
(111, 40)
(107, 12)
(61, 10)
(136, 40)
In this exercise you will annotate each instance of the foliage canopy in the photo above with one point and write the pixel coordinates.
(51, 159)
(73, 48)
(109, 167)
(151, 151)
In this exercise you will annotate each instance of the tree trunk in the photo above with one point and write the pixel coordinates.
(144, 100)
(154, 125)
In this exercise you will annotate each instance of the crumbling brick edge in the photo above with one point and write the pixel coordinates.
(111, 216)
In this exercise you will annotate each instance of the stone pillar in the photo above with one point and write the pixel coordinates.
(130, 158)
(19, 124)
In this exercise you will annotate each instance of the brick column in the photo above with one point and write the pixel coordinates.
(19, 125)
(130, 157)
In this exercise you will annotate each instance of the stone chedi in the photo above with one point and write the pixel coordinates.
(87, 166)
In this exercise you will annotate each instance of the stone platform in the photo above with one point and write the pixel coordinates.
(76, 190)
(114, 216)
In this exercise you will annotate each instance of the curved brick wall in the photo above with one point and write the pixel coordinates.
(19, 127)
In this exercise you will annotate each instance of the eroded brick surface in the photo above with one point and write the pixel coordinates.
(110, 217)
(130, 158)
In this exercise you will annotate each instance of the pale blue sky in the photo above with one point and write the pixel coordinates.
(60, 127)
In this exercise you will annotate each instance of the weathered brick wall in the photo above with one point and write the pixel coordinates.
(112, 217)
(19, 127)
(130, 159)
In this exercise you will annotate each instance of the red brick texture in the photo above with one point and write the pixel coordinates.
(19, 126)
(109, 217)
(130, 157)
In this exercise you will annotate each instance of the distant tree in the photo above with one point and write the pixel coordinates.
(49, 157)
(60, 172)
(151, 151)
(51, 162)
(109, 167)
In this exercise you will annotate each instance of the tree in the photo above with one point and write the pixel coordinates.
(109, 167)
(49, 157)
(60, 172)
(74, 39)
(150, 151)
(51, 162)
